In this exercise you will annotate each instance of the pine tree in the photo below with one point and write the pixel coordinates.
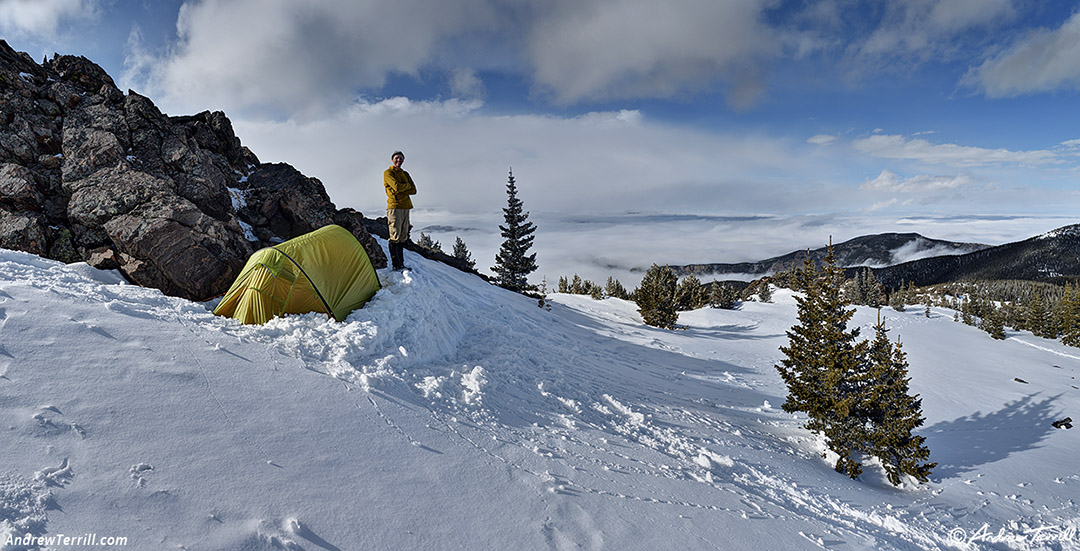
(723, 296)
(577, 286)
(428, 243)
(1036, 316)
(872, 290)
(543, 301)
(764, 292)
(512, 263)
(461, 252)
(825, 366)
(1070, 316)
(896, 300)
(690, 295)
(655, 297)
(615, 289)
(893, 413)
(994, 323)
(564, 285)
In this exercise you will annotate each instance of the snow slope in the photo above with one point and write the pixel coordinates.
(450, 414)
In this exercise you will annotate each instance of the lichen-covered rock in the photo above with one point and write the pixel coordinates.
(24, 231)
(171, 245)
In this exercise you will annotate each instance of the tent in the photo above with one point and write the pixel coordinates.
(325, 271)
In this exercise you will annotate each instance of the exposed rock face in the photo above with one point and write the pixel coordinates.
(176, 203)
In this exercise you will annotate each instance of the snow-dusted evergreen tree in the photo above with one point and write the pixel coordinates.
(1037, 316)
(513, 264)
(872, 290)
(893, 413)
(994, 323)
(615, 289)
(1070, 316)
(461, 252)
(427, 242)
(825, 364)
(764, 292)
(655, 297)
(690, 295)
(896, 300)
(723, 296)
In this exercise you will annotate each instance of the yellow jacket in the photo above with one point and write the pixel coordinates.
(399, 186)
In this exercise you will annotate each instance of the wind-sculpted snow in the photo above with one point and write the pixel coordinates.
(448, 413)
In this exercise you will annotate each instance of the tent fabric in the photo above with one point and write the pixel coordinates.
(325, 271)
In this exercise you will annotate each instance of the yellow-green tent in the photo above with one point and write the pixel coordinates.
(325, 271)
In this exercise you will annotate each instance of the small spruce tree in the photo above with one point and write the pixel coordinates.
(513, 264)
(994, 323)
(428, 243)
(855, 393)
(655, 297)
(690, 295)
(723, 296)
(893, 413)
(896, 300)
(1070, 316)
(615, 289)
(764, 292)
(577, 285)
(461, 252)
(824, 363)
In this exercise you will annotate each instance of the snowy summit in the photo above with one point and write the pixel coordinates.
(451, 414)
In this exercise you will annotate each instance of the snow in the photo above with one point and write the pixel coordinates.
(450, 414)
(239, 201)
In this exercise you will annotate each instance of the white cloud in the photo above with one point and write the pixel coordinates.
(821, 139)
(926, 28)
(282, 56)
(881, 205)
(41, 18)
(893, 146)
(1043, 61)
(465, 84)
(890, 182)
(301, 57)
(598, 162)
(642, 48)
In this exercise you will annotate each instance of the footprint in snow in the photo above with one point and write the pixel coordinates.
(139, 472)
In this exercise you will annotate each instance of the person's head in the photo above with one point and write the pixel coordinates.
(396, 158)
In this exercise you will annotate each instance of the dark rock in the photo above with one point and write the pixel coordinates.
(24, 231)
(1019, 380)
(1065, 423)
(282, 203)
(90, 173)
(169, 244)
(353, 221)
(18, 186)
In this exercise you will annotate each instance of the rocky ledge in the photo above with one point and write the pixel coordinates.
(89, 173)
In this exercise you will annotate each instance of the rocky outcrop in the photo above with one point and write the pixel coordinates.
(90, 173)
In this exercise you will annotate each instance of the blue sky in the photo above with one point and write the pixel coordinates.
(909, 115)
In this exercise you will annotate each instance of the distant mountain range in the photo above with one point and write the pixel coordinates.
(910, 257)
(879, 250)
(1052, 257)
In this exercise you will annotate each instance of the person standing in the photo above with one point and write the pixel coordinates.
(399, 186)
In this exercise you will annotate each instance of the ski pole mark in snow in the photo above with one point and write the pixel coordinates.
(1045, 349)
